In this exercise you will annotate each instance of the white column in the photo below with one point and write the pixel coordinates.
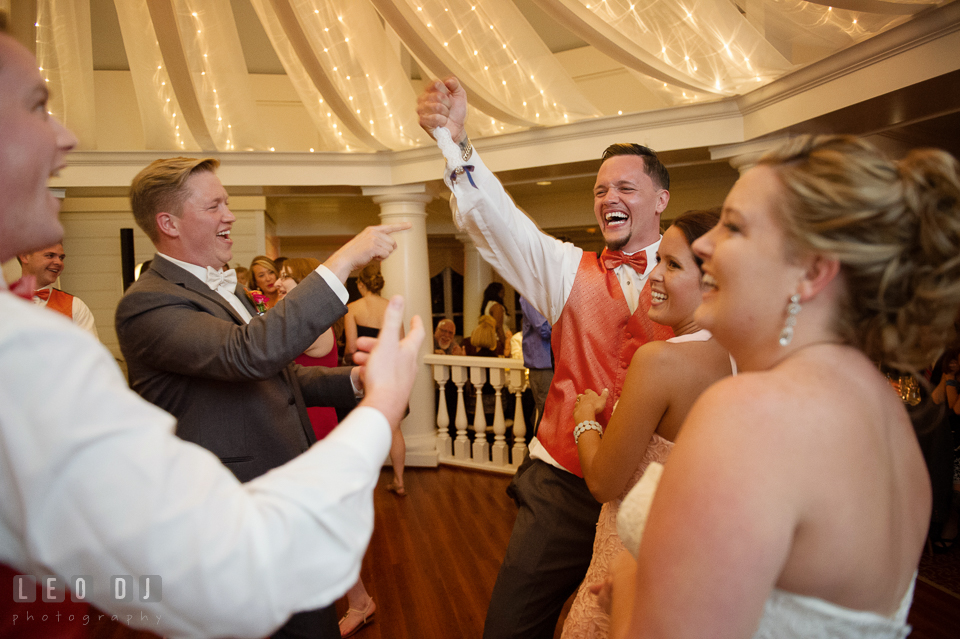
(406, 273)
(477, 274)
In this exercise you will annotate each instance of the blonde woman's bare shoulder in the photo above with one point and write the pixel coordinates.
(742, 408)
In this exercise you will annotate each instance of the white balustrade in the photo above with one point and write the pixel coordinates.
(509, 373)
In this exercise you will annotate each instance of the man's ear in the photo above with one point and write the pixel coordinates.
(168, 224)
(821, 271)
(663, 198)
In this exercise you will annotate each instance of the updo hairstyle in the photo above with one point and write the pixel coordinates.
(894, 227)
(371, 277)
(485, 334)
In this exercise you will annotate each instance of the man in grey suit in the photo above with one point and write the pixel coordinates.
(196, 346)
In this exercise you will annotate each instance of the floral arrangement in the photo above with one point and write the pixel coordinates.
(259, 301)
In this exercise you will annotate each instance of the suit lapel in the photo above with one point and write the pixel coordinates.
(241, 294)
(173, 273)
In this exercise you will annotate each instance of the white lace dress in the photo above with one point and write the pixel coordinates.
(586, 619)
(786, 615)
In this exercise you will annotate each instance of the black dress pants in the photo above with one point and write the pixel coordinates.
(548, 555)
(321, 623)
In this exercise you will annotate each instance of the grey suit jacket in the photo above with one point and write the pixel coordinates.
(232, 386)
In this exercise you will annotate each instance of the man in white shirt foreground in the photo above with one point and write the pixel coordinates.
(46, 266)
(96, 484)
(597, 306)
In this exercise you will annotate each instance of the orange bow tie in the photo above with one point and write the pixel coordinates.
(613, 259)
(43, 293)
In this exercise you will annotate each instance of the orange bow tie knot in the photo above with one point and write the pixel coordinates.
(43, 293)
(613, 259)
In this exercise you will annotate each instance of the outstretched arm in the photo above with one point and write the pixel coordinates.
(372, 243)
(541, 267)
(235, 559)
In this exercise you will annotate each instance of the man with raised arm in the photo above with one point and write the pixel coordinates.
(598, 308)
(95, 484)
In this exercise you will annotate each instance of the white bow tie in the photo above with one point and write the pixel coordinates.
(221, 279)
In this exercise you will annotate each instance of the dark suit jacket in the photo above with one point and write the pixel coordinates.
(232, 386)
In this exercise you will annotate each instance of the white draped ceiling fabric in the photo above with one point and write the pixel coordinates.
(65, 56)
(349, 62)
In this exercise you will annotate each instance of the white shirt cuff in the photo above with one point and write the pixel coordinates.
(367, 430)
(334, 283)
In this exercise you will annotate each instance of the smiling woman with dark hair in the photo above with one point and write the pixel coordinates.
(663, 381)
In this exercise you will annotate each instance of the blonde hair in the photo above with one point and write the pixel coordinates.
(485, 334)
(160, 187)
(371, 277)
(894, 227)
(299, 267)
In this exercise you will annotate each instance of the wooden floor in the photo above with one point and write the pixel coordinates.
(435, 553)
(434, 556)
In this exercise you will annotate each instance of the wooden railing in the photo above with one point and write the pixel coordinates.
(478, 453)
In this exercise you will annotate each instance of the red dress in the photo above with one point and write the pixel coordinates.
(322, 418)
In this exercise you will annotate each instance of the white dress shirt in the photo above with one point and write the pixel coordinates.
(97, 484)
(539, 266)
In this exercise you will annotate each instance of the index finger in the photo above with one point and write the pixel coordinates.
(393, 228)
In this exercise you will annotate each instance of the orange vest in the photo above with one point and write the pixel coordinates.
(61, 302)
(593, 343)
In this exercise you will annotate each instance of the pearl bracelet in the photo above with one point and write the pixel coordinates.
(583, 427)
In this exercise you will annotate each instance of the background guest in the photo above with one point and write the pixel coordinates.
(46, 266)
(243, 276)
(483, 341)
(364, 315)
(492, 305)
(941, 446)
(445, 339)
(322, 352)
(264, 276)
(537, 354)
(365, 318)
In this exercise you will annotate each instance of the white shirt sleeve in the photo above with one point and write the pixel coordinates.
(96, 484)
(334, 283)
(540, 267)
(83, 318)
